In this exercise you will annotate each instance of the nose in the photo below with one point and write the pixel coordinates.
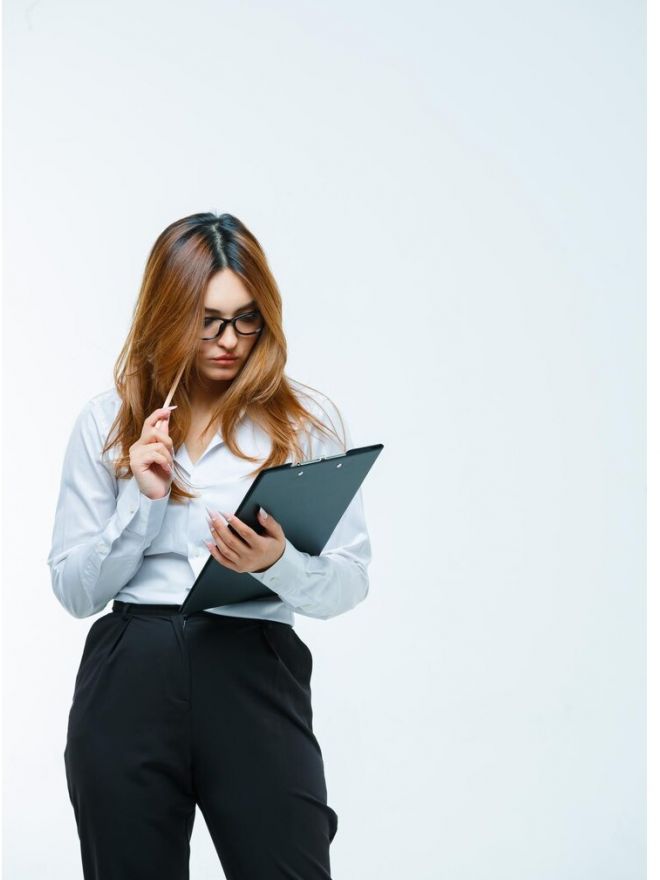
(228, 338)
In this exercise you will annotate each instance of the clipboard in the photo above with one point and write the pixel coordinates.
(307, 498)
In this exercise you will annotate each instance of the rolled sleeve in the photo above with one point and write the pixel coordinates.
(337, 580)
(99, 534)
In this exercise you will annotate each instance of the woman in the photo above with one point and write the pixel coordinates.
(217, 713)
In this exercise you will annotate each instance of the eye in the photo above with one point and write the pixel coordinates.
(249, 323)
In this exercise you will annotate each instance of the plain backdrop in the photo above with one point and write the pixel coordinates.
(451, 198)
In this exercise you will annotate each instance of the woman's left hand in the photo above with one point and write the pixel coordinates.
(251, 552)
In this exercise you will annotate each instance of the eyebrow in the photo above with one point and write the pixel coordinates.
(238, 311)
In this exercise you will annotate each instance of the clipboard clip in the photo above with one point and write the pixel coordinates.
(322, 458)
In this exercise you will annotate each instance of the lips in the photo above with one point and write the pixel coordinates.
(224, 360)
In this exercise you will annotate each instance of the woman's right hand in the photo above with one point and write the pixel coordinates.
(152, 455)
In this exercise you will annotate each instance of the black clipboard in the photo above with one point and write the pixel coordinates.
(307, 498)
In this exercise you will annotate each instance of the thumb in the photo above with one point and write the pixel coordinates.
(163, 425)
(271, 525)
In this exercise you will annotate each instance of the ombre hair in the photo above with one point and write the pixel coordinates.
(165, 333)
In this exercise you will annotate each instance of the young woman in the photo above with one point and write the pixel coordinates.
(216, 713)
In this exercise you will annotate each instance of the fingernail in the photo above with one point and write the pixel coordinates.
(263, 513)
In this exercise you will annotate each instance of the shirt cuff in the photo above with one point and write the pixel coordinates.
(140, 514)
(285, 577)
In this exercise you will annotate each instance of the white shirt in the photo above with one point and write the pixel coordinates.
(110, 541)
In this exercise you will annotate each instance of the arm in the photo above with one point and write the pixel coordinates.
(337, 580)
(99, 537)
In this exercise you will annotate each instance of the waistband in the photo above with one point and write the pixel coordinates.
(126, 608)
(144, 608)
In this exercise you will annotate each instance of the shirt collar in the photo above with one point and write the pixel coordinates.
(181, 454)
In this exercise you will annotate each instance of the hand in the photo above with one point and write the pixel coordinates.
(152, 456)
(250, 552)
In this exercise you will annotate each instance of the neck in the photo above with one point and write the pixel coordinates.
(205, 396)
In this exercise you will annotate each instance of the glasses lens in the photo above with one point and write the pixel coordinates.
(211, 328)
(246, 325)
(249, 323)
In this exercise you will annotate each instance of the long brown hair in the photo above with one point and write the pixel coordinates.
(164, 333)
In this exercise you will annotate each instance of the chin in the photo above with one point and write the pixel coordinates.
(220, 371)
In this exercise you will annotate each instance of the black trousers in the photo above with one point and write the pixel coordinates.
(171, 712)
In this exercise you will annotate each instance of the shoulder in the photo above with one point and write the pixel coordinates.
(104, 405)
(106, 402)
(97, 414)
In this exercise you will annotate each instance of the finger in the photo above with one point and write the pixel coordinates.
(271, 527)
(229, 552)
(161, 425)
(158, 414)
(243, 529)
(156, 457)
(216, 554)
(222, 530)
(160, 447)
(163, 440)
(156, 418)
(164, 462)
(216, 519)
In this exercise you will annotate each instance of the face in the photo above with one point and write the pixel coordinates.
(226, 297)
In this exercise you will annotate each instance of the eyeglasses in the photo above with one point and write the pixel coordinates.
(248, 324)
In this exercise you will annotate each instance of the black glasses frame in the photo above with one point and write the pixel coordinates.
(225, 321)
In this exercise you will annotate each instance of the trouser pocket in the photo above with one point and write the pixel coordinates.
(101, 643)
(290, 651)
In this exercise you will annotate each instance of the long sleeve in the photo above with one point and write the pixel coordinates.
(337, 580)
(99, 534)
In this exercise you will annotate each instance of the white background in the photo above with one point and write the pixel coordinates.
(451, 198)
